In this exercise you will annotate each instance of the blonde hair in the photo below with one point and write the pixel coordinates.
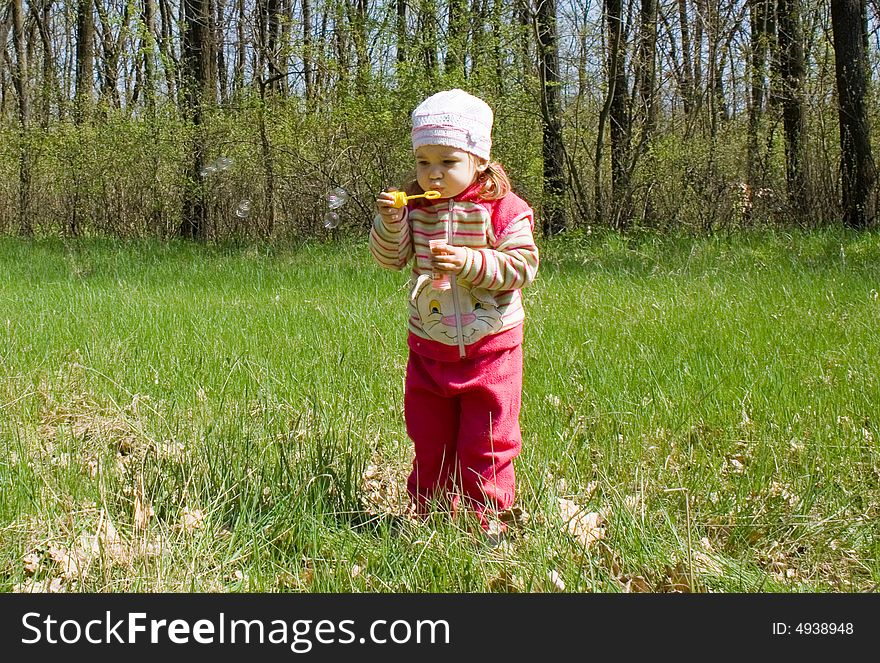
(495, 182)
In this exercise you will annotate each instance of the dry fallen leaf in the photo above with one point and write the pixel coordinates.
(586, 527)
(67, 563)
(707, 564)
(505, 582)
(384, 488)
(677, 580)
(31, 563)
(557, 584)
(191, 519)
(48, 586)
(105, 542)
(143, 510)
(635, 585)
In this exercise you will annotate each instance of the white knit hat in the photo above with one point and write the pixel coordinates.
(456, 119)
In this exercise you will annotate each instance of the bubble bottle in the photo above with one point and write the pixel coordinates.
(441, 280)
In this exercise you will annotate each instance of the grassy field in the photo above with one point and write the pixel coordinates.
(698, 415)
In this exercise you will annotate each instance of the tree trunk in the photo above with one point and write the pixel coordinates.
(457, 37)
(554, 216)
(498, 54)
(308, 71)
(646, 85)
(401, 32)
(148, 16)
(268, 162)
(647, 71)
(271, 44)
(49, 88)
(166, 47)
(792, 73)
(618, 115)
(687, 77)
(5, 20)
(112, 47)
(699, 24)
(427, 37)
(359, 34)
(851, 65)
(196, 51)
(759, 12)
(222, 74)
(341, 44)
(20, 81)
(241, 48)
(477, 47)
(717, 107)
(286, 45)
(85, 58)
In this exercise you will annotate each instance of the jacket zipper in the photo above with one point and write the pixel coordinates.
(456, 307)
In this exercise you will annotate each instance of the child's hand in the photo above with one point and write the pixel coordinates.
(384, 205)
(448, 258)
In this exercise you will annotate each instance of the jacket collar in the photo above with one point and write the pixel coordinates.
(472, 193)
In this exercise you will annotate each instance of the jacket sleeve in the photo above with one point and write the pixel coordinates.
(511, 265)
(391, 243)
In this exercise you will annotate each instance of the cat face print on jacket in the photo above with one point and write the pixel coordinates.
(478, 308)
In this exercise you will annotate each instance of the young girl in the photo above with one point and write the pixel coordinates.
(464, 374)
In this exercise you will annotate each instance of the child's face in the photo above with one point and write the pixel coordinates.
(448, 170)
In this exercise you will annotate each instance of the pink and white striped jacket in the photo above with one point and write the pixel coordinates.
(483, 311)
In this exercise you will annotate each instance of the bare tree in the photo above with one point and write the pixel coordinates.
(85, 57)
(358, 21)
(111, 44)
(147, 52)
(715, 76)
(219, 41)
(687, 73)
(307, 55)
(760, 16)
(196, 55)
(42, 15)
(20, 81)
(554, 216)
(699, 19)
(456, 43)
(426, 36)
(270, 40)
(792, 73)
(166, 48)
(646, 74)
(851, 63)
(616, 113)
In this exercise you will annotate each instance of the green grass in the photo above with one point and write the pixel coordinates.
(186, 418)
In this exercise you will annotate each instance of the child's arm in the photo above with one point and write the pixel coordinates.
(512, 264)
(390, 238)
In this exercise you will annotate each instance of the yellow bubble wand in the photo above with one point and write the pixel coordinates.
(401, 199)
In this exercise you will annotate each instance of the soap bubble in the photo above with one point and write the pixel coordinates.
(331, 220)
(337, 198)
(219, 164)
(243, 209)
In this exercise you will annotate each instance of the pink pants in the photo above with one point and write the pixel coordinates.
(463, 417)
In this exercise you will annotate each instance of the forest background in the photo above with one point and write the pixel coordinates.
(691, 114)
